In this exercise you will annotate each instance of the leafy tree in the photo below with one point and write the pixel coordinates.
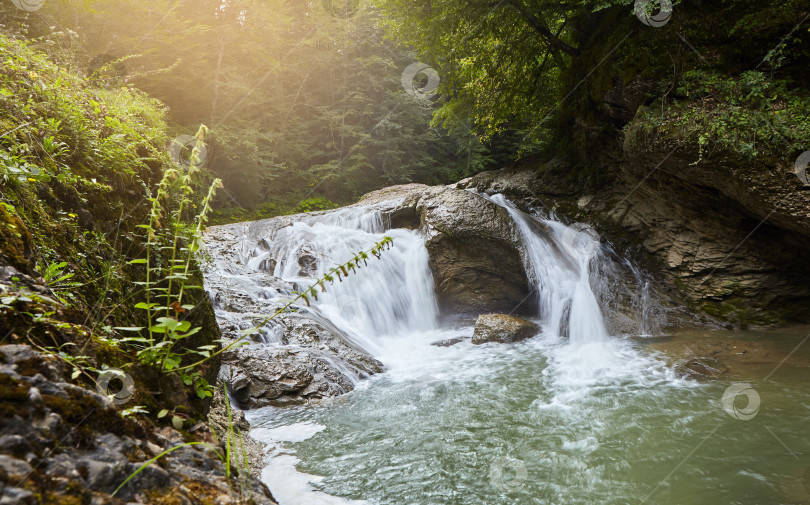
(300, 103)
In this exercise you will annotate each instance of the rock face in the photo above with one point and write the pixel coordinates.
(726, 238)
(295, 357)
(502, 328)
(64, 443)
(474, 250)
(259, 376)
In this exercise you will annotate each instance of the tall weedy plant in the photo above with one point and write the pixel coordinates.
(171, 244)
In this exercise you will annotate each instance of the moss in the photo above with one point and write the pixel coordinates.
(34, 365)
(57, 498)
(164, 497)
(89, 416)
(13, 395)
(15, 240)
(738, 311)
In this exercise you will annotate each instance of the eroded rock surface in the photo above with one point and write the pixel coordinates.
(295, 357)
(726, 236)
(259, 376)
(474, 250)
(64, 443)
(502, 328)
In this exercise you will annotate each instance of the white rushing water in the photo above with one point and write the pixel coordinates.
(392, 295)
(558, 266)
(390, 309)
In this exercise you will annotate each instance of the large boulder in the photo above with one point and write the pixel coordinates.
(502, 328)
(474, 250)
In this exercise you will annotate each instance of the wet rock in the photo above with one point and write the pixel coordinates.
(310, 330)
(449, 342)
(299, 355)
(701, 369)
(268, 265)
(502, 328)
(724, 235)
(474, 250)
(259, 376)
(308, 264)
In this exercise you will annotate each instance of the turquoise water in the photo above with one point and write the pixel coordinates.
(544, 422)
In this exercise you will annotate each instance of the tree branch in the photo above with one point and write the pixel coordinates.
(538, 25)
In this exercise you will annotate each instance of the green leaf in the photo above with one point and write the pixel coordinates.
(163, 413)
(129, 328)
(171, 362)
(177, 422)
(169, 323)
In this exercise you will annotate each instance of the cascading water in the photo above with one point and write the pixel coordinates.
(392, 295)
(557, 259)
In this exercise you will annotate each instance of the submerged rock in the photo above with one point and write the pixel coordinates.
(502, 328)
(449, 342)
(701, 368)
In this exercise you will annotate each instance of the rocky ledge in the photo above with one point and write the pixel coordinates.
(726, 237)
(64, 444)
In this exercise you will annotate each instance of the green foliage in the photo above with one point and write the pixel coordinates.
(313, 204)
(750, 114)
(500, 63)
(300, 104)
(75, 162)
(57, 279)
(170, 252)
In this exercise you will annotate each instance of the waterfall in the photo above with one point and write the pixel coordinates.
(558, 265)
(392, 295)
(580, 288)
